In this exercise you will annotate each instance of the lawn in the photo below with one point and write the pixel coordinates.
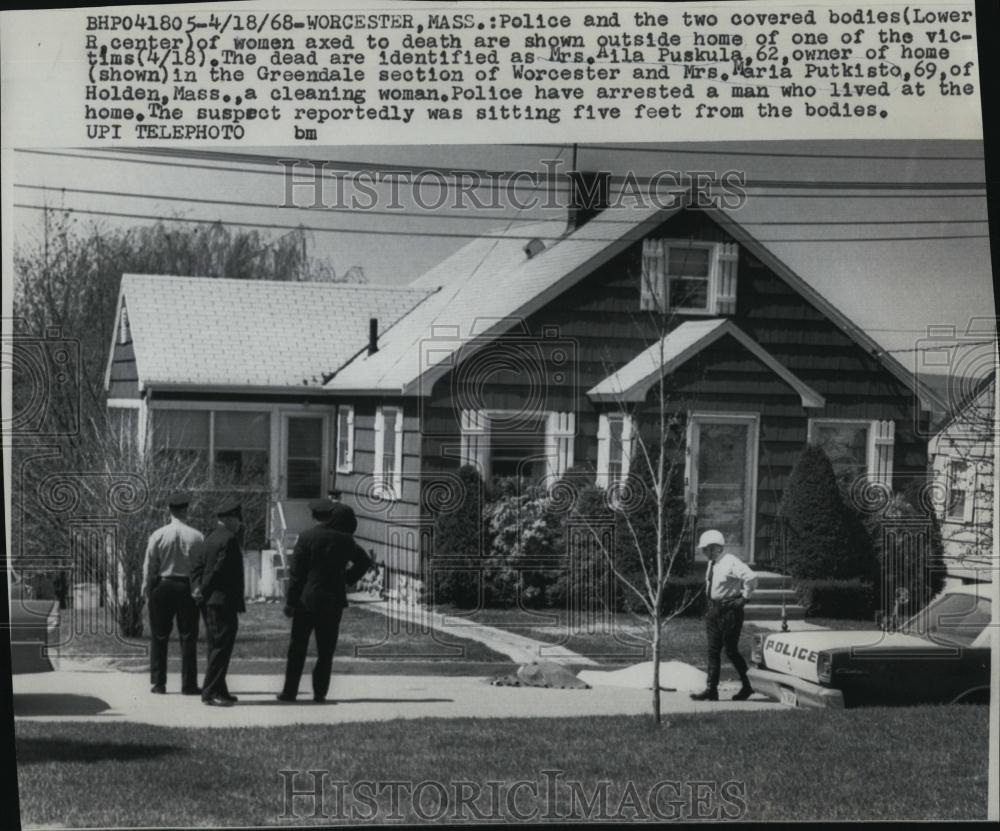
(892, 764)
(369, 642)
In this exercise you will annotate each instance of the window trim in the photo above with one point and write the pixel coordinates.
(711, 278)
(716, 297)
(872, 443)
(346, 466)
(969, 504)
(392, 491)
(603, 478)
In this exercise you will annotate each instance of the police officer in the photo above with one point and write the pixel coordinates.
(729, 582)
(217, 584)
(167, 585)
(325, 561)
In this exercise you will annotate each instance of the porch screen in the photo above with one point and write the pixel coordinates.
(182, 434)
(242, 446)
(304, 468)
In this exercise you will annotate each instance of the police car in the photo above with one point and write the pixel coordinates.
(940, 655)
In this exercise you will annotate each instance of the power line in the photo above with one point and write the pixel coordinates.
(320, 169)
(451, 234)
(433, 214)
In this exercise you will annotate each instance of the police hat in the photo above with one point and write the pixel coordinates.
(179, 499)
(322, 506)
(230, 507)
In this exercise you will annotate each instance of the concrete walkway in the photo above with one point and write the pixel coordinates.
(519, 648)
(109, 697)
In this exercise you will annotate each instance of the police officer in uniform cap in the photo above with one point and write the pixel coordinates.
(167, 585)
(325, 561)
(217, 584)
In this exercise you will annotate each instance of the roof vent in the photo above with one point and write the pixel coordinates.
(372, 335)
(535, 246)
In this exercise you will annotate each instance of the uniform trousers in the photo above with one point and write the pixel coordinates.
(723, 625)
(221, 623)
(170, 599)
(326, 625)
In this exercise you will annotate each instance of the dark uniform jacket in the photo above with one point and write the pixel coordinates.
(325, 561)
(217, 569)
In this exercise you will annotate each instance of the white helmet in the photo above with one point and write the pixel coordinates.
(711, 538)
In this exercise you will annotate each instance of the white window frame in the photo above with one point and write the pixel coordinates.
(968, 488)
(559, 439)
(722, 268)
(390, 491)
(879, 435)
(345, 465)
(604, 448)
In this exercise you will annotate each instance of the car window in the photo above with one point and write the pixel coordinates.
(954, 618)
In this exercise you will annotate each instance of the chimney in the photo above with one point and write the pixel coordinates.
(372, 335)
(589, 195)
(535, 246)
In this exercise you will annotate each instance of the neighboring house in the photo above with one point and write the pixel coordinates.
(962, 466)
(530, 350)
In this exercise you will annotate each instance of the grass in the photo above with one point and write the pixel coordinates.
(369, 642)
(893, 764)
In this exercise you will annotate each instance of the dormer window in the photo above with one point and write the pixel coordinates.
(688, 277)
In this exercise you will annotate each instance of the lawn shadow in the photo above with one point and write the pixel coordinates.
(37, 751)
(58, 704)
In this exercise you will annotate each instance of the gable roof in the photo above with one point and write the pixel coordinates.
(978, 398)
(487, 288)
(634, 380)
(221, 332)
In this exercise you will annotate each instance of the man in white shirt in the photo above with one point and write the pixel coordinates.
(729, 582)
(167, 584)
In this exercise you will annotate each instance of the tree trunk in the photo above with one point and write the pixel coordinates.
(656, 669)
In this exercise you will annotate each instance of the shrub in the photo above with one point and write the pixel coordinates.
(458, 537)
(824, 541)
(910, 555)
(844, 599)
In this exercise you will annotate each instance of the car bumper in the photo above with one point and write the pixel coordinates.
(781, 687)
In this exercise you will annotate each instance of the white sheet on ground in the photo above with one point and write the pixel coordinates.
(674, 675)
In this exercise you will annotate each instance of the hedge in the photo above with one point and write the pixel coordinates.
(839, 599)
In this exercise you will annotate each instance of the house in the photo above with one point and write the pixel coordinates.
(962, 463)
(529, 351)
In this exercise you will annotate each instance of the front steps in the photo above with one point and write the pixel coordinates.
(766, 601)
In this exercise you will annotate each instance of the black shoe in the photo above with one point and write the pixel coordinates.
(192, 691)
(217, 701)
(705, 695)
(159, 689)
(320, 699)
(745, 692)
(232, 699)
(285, 697)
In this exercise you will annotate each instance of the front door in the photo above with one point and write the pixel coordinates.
(722, 475)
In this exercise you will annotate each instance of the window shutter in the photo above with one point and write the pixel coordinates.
(652, 290)
(726, 262)
(349, 466)
(881, 439)
(627, 443)
(397, 467)
(560, 429)
(603, 450)
(475, 447)
(379, 445)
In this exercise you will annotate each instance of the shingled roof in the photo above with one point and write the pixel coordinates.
(203, 331)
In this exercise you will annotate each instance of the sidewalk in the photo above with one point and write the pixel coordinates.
(113, 696)
(520, 649)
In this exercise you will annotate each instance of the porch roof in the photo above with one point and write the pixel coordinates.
(219, 332)
(634, 380)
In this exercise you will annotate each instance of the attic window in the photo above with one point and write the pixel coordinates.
(688, 277)
(534, 247)
(124, 336)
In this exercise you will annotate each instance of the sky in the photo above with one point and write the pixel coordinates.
(937, 275)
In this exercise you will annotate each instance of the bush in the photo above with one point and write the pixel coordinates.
(825, 540)
(842, 599)
(458, 536)
(910, 555)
